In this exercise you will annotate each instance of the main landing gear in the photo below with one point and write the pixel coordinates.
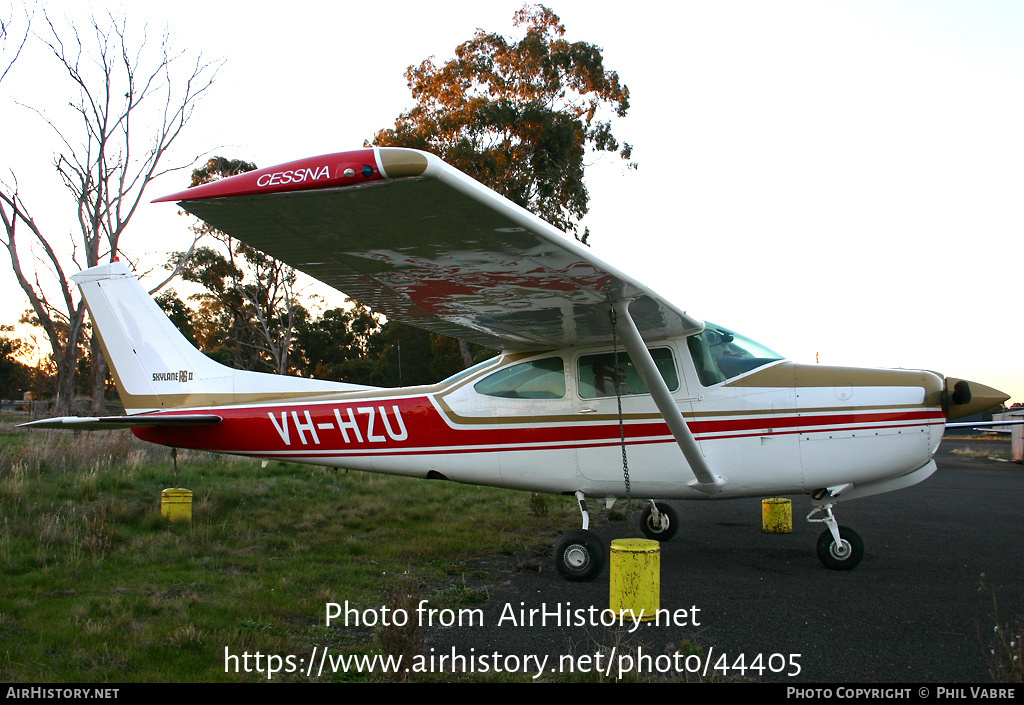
(579, 554)
(839, 547)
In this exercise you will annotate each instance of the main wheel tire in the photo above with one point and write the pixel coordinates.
(657, 533)
(579, 556)
(842, 557)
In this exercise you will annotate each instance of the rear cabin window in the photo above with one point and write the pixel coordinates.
(599, 374)
(537, 379)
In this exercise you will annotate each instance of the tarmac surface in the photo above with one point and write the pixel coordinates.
(941, 559)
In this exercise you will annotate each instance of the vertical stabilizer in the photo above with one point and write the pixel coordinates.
(155, 367)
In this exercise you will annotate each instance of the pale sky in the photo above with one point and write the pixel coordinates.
(840, 180)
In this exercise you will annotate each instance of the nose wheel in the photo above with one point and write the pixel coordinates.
(659, 521)
(839, 547)
(844, 554)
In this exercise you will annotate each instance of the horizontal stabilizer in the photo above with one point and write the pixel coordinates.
(112, 423)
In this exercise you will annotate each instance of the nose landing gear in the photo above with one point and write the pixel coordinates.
(659, 521)
(839, 547)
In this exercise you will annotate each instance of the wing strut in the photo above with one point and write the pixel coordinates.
(706, 481)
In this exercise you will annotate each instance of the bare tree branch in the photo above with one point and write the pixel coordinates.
(179, 267)
(10, 34)
(132, 98)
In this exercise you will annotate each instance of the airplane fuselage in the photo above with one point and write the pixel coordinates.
(780, 429)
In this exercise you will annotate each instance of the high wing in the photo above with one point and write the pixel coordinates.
(415, 239)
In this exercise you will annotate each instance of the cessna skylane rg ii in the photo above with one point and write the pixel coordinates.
(592, 364)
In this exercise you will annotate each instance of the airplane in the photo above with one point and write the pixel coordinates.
(602, 389)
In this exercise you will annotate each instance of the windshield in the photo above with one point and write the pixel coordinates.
(720, 354)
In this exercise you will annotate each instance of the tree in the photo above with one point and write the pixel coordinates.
(214, 169)
(106, 163)
(12, 41)
(403, 355)
(13, 372)
(518, 116)
(178, 312)
(339, 345)
(250, 306)
(271, 298)
(17, 372)
(249, 310)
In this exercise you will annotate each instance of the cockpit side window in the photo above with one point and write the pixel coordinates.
(536, 379)
(599, 375)
(719, 354)
(707, 369)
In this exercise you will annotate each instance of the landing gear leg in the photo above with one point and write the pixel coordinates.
(839, 547)
(579, 554)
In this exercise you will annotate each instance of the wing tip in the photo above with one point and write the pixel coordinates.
(398, 162)
(324, 171)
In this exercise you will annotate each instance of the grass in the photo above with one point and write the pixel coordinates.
(1006, 655)
(970, 452)
(97, 586)
(1006, 652)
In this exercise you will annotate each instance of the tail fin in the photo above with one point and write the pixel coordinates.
(155, 367)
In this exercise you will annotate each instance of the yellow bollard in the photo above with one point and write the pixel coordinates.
(777, 515)
(635, 582)
(176, 504)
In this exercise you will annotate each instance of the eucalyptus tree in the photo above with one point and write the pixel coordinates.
(520, 115)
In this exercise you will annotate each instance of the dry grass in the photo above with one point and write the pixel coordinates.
(99, 587)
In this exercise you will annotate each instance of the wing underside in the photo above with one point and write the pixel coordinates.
(432, 248)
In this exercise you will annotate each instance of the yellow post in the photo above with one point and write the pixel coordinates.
(777, 515)
(176, 504)
(635, 582)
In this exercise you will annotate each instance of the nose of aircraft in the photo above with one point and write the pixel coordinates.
(963, 398)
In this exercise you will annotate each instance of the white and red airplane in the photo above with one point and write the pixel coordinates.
(592, 363)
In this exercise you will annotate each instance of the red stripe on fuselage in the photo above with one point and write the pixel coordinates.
(413, 425)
